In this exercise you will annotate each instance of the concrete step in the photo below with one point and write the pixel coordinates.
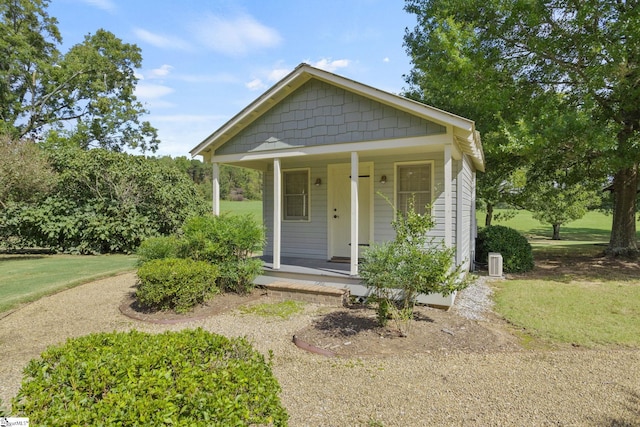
(306, 292)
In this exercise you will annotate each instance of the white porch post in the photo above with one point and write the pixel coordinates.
(447, 196)
(354, 213)
(216, 189)
(277, 212)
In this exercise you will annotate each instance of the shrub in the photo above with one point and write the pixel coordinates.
(514, 247)
(409, 265)
(228, 241)
(158, 248)
(103, 202)
(191, 377)
(237, 275)
(177, 284)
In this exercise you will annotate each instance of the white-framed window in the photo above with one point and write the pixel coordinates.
(414, 180)
(295, 198)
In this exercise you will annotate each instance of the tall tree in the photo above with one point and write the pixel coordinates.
(588, 51)
(25, 173)
(87, 92)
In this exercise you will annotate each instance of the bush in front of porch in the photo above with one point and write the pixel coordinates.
(411, 264)
(225, 241)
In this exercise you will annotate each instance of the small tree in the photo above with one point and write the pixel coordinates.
(413, 263)
(557, 204)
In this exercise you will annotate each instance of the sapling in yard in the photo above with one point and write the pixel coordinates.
(411, 264)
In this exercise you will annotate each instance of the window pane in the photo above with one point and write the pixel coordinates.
(296, 197)
(414, 181)
(414, 178)
(295, 182)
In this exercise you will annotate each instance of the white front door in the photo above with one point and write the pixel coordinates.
(339, 214)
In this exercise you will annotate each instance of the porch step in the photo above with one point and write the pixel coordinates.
(305, 292)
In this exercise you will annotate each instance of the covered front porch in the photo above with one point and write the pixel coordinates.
(327, 273)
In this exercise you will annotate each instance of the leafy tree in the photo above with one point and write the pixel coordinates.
(587, 52)
(247, 181)
(558, 204)
(87, 93)
(25, 173)
(104, 202)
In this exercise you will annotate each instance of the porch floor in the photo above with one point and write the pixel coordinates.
(312, 271)
(327, 273)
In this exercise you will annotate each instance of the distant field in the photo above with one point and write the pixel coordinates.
(588, 235)
(253, 207)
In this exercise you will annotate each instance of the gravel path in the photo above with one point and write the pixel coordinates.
(575, 387)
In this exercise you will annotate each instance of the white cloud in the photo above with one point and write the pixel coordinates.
(277, 74)
(329, 65)
(147, 91)
(107, 5)
(255, 84)
(157, 73)
(161, 41)
(235, 36)
(267, 77)
(386, 59)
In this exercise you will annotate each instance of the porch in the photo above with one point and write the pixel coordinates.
(312, 271)
(306, 271)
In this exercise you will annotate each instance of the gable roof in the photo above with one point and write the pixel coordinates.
(464, 129)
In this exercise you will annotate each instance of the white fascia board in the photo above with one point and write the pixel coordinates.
(361, 147)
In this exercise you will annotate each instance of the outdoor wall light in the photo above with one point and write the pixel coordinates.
(383, 179)
(318, 182)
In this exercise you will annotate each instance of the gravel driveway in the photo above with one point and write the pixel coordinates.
(573, 387)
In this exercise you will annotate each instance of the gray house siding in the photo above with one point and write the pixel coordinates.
(467, 213)
(306, 239)
(319, 114)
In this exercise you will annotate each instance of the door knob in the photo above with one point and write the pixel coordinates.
(335, 216)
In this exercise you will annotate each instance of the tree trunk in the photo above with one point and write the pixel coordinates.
(623, 231)
(489, 216)
(556, 232)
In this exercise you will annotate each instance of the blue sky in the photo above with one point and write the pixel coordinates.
(204, 61)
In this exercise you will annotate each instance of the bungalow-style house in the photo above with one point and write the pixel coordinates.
(331, 150)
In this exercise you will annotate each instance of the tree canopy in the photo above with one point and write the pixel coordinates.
(88, 92)
(505, 63)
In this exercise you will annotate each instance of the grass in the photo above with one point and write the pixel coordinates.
(26, 278)
(587, 313)
(589, 307)
(253, 207)
(283, 309)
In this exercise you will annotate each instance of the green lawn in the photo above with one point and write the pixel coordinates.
(253, 207)
(588, 313)
(589, 308)
(25, 278)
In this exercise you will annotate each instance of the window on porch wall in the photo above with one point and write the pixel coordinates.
(413, 180)
(296, 195)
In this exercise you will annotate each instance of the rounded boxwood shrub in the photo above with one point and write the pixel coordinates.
(192, 377)
(158, 248)
(513, 246)
(175, 283)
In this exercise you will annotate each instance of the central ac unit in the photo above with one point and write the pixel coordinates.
(495, 264)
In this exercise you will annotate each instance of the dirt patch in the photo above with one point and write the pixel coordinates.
(217, 305)
(354, 331)
(579, 267)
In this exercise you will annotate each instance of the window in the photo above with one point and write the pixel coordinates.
(413, 180)
(296, 195)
